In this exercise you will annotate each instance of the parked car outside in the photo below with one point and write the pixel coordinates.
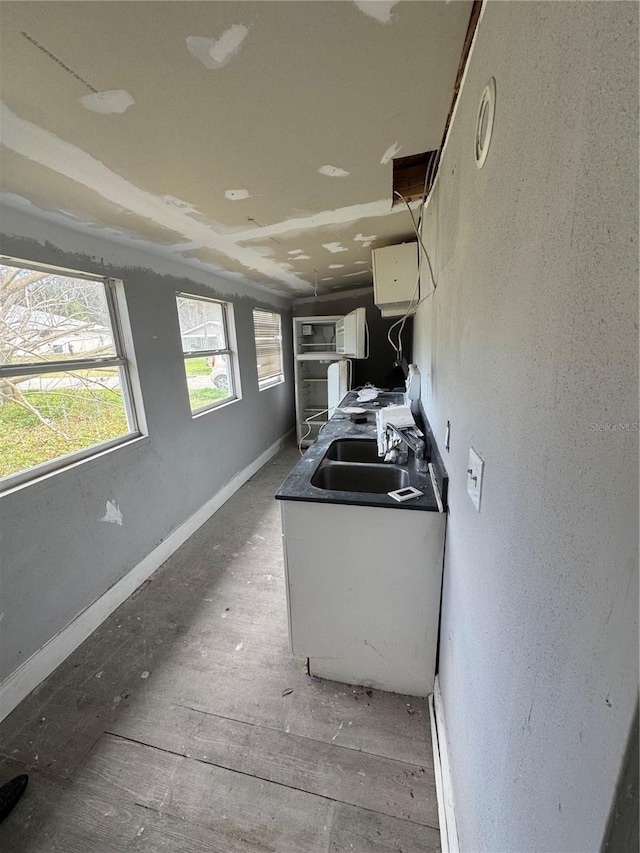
(218, 374)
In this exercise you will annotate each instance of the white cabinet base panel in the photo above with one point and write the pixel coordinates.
(363, 592)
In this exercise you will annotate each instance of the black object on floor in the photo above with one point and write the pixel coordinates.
(10, 793)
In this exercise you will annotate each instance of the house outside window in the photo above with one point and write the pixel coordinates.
(65, 389)
(206, 326)
(267, 329)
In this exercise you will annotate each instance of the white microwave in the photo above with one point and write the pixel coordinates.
(351, 333)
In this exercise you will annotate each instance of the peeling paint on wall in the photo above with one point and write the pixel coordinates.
(378, 9)
(301, 258)
(112, 514)
(334, 248)
(336, 266)
(214, 53)
(390, 153)
(333, 171)
(112, 101)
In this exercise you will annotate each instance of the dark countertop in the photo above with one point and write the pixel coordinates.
(298, 487)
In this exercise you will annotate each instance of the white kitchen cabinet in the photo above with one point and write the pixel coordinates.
(363, 592)
(395, 278)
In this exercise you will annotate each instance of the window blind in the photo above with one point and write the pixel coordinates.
(268, 335)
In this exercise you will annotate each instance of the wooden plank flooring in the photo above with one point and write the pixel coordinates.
(172, 727)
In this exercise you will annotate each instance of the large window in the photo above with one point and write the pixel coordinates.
(64, 384)
(205, 326)
(268, 334)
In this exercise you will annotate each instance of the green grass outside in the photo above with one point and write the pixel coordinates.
(200, 397)
(85, 417)
(197, 366)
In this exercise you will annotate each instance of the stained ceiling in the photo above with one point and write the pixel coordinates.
(253, 139)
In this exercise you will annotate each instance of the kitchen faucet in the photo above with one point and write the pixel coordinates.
(413, 441)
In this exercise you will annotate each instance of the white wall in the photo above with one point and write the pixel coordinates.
(56, 555)
(529, 340)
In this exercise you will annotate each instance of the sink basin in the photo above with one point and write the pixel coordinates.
(358, 477)
(354, 450)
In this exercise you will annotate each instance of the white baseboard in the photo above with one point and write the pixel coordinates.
(43, 662)
(442, 769)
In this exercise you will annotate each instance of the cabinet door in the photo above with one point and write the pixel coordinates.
(351, 334)
(363, 587)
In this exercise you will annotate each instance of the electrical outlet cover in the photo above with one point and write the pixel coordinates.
(475, 472)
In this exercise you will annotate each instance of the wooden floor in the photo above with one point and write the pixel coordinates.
(184, 724)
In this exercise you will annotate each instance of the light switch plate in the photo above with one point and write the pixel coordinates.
(475, 472)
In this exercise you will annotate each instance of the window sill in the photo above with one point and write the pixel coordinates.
(68, 464)
(214, 407)
(271, 384)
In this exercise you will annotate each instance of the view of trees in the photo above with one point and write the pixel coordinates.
(53, 320)
(60, 383)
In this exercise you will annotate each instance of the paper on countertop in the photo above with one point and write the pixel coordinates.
(367, 394)
(399, 416)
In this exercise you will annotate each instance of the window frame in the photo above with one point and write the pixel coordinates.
(229, 351)
(123, 345)
(278, 379)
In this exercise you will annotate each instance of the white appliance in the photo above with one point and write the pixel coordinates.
(319, 343)
(395, 278)
(337, 383)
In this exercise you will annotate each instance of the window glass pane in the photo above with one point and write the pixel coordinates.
(49, 416)
(201, 324)
(268, 337)
(52, 317)
(209, 380)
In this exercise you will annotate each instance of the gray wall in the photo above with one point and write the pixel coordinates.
(530, 339)
(56, 556)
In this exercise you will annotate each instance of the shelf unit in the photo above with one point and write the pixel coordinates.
(314, 346)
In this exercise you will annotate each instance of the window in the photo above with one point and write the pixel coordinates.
(268, 335)
(208, 358)
(64, 383)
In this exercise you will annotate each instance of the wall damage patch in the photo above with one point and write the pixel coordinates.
(333, 172)
(112, 514)
(390, 153)
(237, 195)
(112, 101)
(214, 53)
(378, 9)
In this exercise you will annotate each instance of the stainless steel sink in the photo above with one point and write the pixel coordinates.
(354, 450)
(359, 477)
